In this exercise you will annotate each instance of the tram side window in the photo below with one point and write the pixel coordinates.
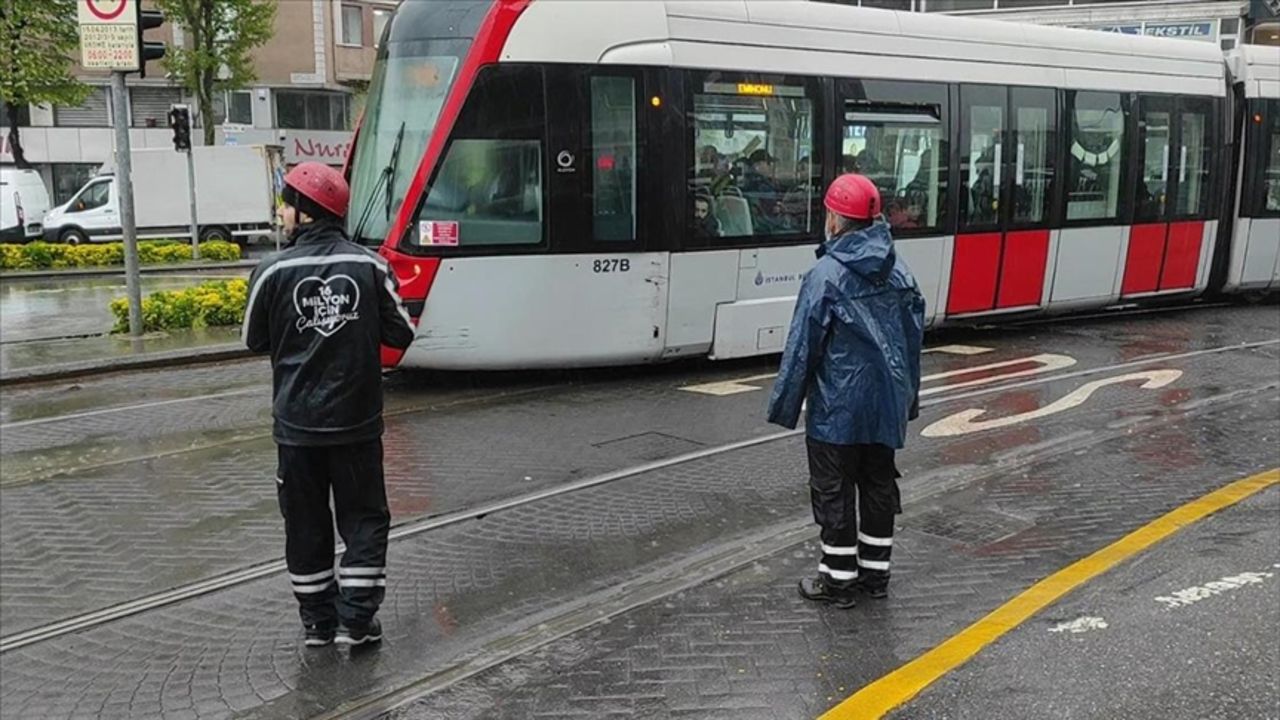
(1195, 160)
(1034, 110)
(489, 189)
(982, 144)
(754, 171)
(1154, 141)
(613, 151)
(1271, 170)
(903, 149)
(1096, 138)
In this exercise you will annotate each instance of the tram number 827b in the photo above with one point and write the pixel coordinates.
(609, 265)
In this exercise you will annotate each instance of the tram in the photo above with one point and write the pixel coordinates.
(562, 184)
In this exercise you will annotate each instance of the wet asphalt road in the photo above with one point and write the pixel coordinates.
(119, 487)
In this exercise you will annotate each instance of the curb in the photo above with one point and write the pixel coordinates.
(145, 270)
(65, 371)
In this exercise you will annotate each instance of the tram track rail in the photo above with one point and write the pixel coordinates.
(412, 528)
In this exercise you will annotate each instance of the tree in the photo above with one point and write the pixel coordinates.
(216, 57)
(38, 43)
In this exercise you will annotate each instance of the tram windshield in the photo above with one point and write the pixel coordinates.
(407, 93)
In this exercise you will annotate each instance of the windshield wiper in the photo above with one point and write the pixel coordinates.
(393, 164)
(386, 177)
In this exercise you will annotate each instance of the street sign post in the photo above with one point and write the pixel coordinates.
(109, 35)
(111, 39)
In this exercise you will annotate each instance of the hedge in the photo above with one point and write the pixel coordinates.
(41, 255)
(209, 304)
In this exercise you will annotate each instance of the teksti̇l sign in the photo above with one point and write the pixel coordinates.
(109, 34)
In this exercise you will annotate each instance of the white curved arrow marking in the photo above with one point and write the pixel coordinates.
(965, 422)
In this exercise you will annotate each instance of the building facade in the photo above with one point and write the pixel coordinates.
(1226, 22)
(310, 79)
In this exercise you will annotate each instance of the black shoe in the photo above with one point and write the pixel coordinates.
(818, 590)
(873, 590)
(318, 635)
(370, 632)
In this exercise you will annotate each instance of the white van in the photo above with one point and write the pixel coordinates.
(23, 204)
(236, 191)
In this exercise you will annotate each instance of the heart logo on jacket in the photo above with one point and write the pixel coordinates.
(326, 305)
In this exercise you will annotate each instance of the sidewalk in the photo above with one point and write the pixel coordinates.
(157, 269)
(57, 327)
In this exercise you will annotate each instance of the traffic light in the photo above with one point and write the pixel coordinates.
(180, 121)
(148, 19)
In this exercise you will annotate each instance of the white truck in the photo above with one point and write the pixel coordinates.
(237, 187)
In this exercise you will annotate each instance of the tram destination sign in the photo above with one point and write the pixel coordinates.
(109, 34)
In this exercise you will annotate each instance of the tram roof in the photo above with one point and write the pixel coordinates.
(820, 38)
(1258, 67)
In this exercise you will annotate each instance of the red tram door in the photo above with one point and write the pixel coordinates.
(1001, 253)
(1172, 194)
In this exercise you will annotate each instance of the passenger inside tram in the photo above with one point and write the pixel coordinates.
(705, 222)
(752, 171)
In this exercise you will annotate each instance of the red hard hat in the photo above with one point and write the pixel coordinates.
(853, 196)
(322, 185)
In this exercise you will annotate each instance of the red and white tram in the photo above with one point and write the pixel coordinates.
(1255, 208)
(561, 183)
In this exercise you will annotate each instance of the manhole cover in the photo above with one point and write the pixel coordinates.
(975, 527)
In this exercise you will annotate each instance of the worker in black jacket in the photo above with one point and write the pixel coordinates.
(323, 309)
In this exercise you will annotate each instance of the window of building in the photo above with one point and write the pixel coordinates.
(234, 107)
(70, 177)
(301, 110)
(1034, 137)
(1195, 152)
(613, 158)
(490, 188)
(1155, 137)
(982, 129)
(888, 4)
(1096, 143)
(95, 111)
(149, 106)
(381, 16)
(902, 148)
(958, 5)
(352, 25)
(754, 164)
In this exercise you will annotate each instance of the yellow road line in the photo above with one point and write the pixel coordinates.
(899, 686)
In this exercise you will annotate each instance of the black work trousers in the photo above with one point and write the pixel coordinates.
(353, 474)
(854, 489)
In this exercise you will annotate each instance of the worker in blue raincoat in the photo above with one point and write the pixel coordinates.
(853, 354)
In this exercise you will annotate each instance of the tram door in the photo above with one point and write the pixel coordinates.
(1007, 159)
(1172, 196)
(597, 179)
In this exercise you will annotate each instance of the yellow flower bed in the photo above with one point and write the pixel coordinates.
(42, 256)
(209, 304)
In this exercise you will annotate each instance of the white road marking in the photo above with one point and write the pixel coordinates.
(1080, 625)
(957, 350)
(965, 421)
(729, 387)
(1046, 362)
(1196, 593)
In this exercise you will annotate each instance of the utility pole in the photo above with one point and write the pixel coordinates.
(124, 186)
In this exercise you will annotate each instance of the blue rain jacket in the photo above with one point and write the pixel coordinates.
(854, 346)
